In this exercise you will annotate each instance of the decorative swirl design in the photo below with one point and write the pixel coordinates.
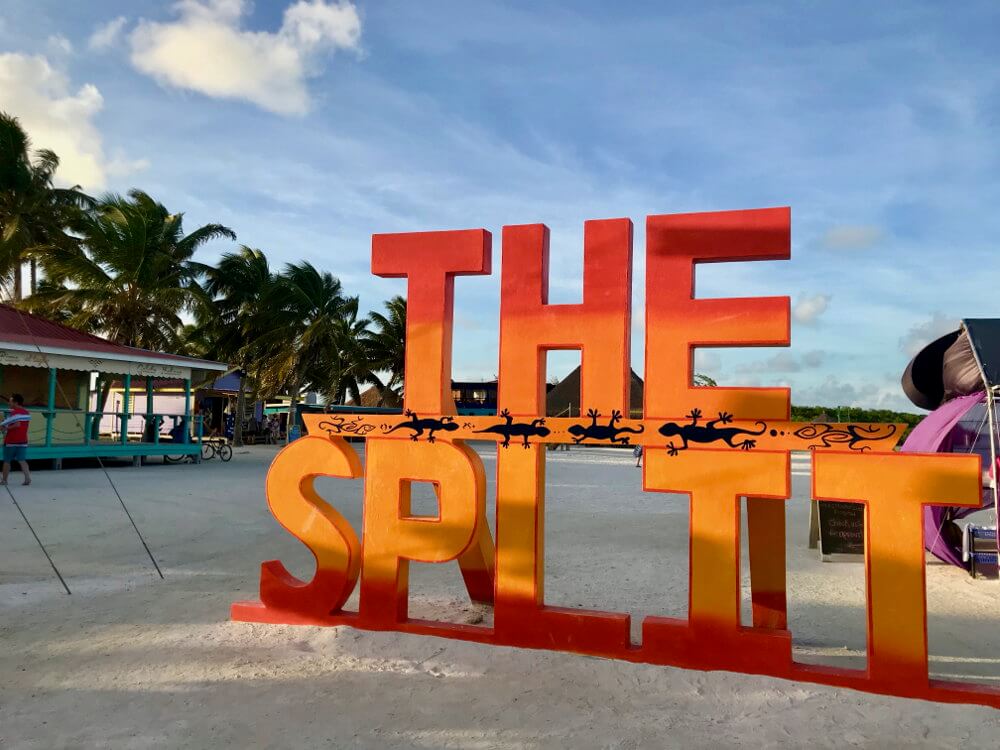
(341, 426)
(853, 436)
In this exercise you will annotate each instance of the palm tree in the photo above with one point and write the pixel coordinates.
(303, 333)
(240, 284)
(352, 367)
(34, 215)
(134, 275)
(131, 278)
(386, 344)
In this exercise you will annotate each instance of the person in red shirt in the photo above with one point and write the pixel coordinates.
(15, 441)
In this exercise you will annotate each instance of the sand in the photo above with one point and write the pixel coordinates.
(130, 661)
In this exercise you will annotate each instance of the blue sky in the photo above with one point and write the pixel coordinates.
(307, 126)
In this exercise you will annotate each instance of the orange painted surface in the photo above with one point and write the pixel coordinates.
(766, 545)
(430, 261)
(306, 516)
(520, 615)
(681, 433)
(676, 323)
(393, 536)
(894, 487)
(715, 482)
(600, 326)
(729, 443)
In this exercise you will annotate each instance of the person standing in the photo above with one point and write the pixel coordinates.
(15, 441)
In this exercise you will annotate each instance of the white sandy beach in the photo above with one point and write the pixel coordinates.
(130, 661)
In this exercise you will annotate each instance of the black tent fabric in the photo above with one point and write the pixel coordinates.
(984, 335)
(923, 379)
(957, 364)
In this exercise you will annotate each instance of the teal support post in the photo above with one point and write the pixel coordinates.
(127, 395)
(50, 415)
(187, 412)
(152, 427)
(95, 426)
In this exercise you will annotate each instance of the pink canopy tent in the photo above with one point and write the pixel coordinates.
(958, 426)
(958, 377)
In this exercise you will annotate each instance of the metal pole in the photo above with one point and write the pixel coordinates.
(127, 395)
(42, 546)
(187, 410)
(991, 406)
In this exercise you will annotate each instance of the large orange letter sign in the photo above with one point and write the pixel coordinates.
(326, 533)
(430, 261)
(393, 536)
(719, 447)
(893, 488)
(676, 323)
(529, 327)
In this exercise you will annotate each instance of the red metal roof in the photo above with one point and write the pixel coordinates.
(18, 327)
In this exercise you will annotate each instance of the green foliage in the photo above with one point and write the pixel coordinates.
(385, 343)
(35, 216)
(131, 275)
(855, 414)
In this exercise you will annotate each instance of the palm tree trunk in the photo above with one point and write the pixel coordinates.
(17, 282)
(33, 265)
(241, 400)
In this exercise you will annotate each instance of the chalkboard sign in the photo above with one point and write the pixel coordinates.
(841, 528)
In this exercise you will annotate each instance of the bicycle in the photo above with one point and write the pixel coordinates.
(218, 447)
(209, 449)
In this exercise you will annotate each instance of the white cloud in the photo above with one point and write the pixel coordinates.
(707, 361)
(873, 394)
(784, 362)
(106, 34)
(808, 308)
(206, 50)
(59, 45)
(55, 117)
(120, 165)
(924, 333)
(61, 120)
(851, 237)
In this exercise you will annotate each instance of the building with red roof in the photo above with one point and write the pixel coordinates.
(64, 376)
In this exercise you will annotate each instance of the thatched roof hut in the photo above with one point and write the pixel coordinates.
(564, 399)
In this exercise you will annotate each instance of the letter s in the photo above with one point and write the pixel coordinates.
(305, 515)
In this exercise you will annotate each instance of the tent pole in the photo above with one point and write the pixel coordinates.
(991, 413)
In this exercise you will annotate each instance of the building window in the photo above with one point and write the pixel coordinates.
(479, 395)
(456, 394)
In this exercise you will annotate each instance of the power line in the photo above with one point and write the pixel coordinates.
(100, 463)
(42, 546)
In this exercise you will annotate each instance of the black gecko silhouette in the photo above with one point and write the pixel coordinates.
(608, 431)
(708, 432)
(522, 429)
(447, 424)
(830, 435)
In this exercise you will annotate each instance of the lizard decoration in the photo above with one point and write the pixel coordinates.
(340, 425)
(446, 424)
(850, 435)
(694, 431)
(522, 430)
(708, 432)
(594, 431)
